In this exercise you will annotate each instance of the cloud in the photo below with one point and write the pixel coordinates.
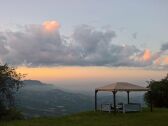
(3, 49)
(161, 57)
(165, 60)
(51, 25)
(96, 48)
(164, 46)
(134, 35)
(36, 45)
(161, 61)
(33, 46)
(90, 40)
(147, 55)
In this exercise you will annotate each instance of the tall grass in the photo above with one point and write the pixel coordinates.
(145, 118)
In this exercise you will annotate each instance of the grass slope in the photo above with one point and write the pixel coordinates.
(146, 118)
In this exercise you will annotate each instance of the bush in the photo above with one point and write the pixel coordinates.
(11, 114)
(159, 90)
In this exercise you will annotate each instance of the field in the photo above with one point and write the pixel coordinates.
(145, 118)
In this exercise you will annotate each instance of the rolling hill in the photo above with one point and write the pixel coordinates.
(38, 99)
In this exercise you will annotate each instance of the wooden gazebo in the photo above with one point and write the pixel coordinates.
(120, 86)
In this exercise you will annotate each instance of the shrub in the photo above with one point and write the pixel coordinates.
(159, 90)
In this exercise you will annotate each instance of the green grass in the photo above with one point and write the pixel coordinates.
(145, 118)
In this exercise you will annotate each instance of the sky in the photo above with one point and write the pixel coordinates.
(95, 42)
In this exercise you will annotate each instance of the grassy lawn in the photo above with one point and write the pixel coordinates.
(145, 118)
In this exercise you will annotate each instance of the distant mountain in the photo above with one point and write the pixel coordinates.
(38, 99)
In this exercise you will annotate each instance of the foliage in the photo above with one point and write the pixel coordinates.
(10, 82)
(159, 90)
(11, 114)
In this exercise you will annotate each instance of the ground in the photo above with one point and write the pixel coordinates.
(159, 117)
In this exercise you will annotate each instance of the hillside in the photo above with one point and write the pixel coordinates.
(38, 99)
(145, 118)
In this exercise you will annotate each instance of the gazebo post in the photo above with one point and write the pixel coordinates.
(96, 100)
(114, 100)
(128, 97)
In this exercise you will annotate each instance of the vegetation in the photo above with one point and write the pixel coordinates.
(159, 90)
(144, 118)
(10, 82)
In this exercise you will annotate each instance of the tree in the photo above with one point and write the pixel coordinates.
(10, 82)
(159, 91)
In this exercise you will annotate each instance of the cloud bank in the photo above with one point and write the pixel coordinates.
(43, 45)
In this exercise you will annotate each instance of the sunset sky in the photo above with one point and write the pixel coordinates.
(85, 42)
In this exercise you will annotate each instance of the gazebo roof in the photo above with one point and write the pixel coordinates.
(122, 86)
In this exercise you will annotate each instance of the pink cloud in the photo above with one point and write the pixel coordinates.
(147, 55)
(161, 60)
(51, 25)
